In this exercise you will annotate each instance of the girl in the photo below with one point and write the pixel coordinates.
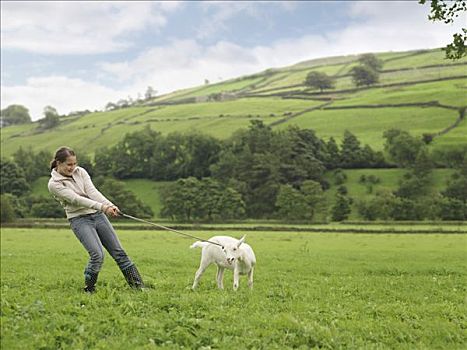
(85, 207)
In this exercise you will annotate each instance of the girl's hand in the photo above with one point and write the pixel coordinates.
(111, 211)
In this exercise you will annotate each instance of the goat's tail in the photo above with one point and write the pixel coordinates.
(199, 244)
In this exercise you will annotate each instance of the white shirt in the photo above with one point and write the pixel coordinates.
(76, 193)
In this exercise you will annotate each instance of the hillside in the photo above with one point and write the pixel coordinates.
(419, 91)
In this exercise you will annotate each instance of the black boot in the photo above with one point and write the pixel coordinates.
(133, 277)
(90, 279)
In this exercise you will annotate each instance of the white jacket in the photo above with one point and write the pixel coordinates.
(77, 194)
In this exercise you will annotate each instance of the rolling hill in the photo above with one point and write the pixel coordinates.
(419, 91)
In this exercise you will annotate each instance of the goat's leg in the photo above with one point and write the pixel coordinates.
(220, 277)
(236, 278)
(202, 267)
(250, 278)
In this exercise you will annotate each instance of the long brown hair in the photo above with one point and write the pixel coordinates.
(61, 155)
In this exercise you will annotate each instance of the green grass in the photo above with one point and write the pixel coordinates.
(424, 59)
(448, 92)
(423, 74)
(106, 128)
(39, 187)
(311, 291)
(453, 139)
(231, 85)
(148, 192)
(369, 124)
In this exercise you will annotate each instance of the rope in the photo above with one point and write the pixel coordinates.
(168, 229)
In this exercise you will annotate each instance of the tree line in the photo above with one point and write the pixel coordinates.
(256, 173)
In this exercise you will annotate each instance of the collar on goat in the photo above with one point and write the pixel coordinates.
(169, 229)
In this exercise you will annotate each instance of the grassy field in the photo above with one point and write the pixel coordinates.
(369, 124)
(447, 92)
(311, 290)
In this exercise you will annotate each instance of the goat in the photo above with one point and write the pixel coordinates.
(234, 255)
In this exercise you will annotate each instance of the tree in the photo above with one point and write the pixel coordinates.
(447, 11)
(378, 207)
(370, 60)
(315, 198)
(104, 161)
(457, 184)
(180, 156)
(201, 152)
(405, 209)
(150, 93)
(423, 165)
(364, 75)
(12, 179)
(452, 209)
(341, 208)
(7, 212)
(231, 204)
(46, 207)
(85, 162)
(292, 204)
(351, 152)
(36, 163)
(180, 199)
(339, 177)
(110, 106)
(413, 187)
(205, 199)
(15, 114)
(216, 201)
(332, 159)
(402, 147)
(133, 155)
(51, 118)
(319, 80)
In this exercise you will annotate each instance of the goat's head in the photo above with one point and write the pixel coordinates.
(232, 251)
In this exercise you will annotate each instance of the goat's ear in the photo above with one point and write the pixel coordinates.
(241, 240)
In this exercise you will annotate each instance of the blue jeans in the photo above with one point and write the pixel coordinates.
(95, 231)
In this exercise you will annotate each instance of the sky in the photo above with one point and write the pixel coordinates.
(81, 55)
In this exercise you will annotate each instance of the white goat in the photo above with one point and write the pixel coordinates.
(234, 255)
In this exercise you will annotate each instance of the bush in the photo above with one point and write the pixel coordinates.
(292, 204)
(378, 207)
(339, 177)
(342, 208)
(452, 209)
(43, 207)
(406, 209)
(205, 199)
(7, 212)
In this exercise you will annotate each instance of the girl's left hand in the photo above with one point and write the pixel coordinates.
(113, 211)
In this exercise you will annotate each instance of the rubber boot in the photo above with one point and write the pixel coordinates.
(133, 277)
(90, 279)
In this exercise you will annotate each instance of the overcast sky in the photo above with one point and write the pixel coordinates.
(82, 55)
